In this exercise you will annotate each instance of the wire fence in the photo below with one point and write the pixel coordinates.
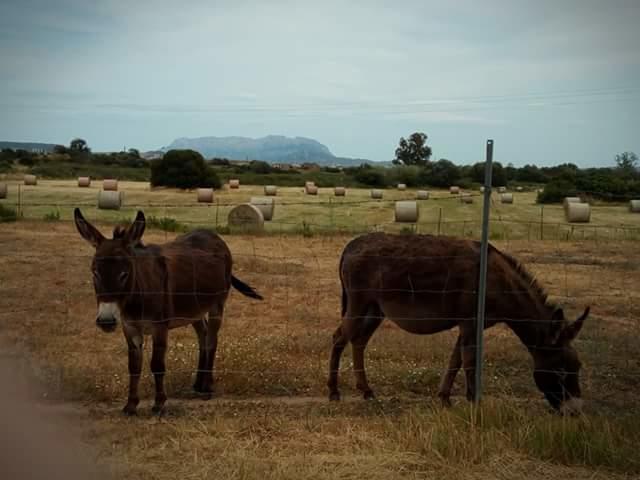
(281, 346)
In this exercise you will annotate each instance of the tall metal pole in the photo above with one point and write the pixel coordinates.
(482, 280)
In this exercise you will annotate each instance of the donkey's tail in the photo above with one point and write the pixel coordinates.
(344, 292)
(245, 289)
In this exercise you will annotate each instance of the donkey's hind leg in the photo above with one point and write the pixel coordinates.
(200, 328)
(211, 345)
(359, 343)
(339, 342)
(455, 362)
(351, 323)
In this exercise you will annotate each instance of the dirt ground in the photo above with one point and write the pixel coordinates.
(270, 418)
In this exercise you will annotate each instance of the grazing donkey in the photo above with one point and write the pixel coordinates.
(427, 284)
(154, 288)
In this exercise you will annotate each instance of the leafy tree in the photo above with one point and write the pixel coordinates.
(370, 176)
(79, 145)
(134, 152)
(183, 169)
(627, 163)
(60, 149)
(258, 166)
(413, 151)
(498, 174)
(442, 173)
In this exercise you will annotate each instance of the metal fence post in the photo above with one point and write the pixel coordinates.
(482, 280)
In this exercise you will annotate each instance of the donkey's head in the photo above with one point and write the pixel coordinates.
(557, 367)
(112, 266)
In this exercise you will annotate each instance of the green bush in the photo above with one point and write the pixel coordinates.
(556, 190)
(7, 214)
(166, 224)
(97, 172)
(371, 177)
(52, 216)
(183, 169)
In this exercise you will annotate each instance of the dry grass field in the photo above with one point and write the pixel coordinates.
(296, 212)
(270, 418)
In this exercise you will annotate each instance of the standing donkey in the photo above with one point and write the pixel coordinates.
(427, 284)
(154, 288)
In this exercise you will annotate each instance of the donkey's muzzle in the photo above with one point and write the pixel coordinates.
(107, 318)
(107, 324)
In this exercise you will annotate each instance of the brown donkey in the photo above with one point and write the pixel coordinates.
(427, 284)
(154, 288)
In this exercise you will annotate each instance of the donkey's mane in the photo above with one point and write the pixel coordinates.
(119, 231)
(528, 277)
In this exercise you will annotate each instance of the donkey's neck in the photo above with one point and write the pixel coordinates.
(534, 327)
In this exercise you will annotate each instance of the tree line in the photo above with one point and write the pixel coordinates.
(412, 166)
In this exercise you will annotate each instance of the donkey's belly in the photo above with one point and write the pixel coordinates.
(417, 319)
(147, 325)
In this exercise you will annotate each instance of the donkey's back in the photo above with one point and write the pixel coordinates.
(423, 283)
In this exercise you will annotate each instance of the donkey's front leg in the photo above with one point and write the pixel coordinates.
(159, 335)
(134, 342)
(469, 362)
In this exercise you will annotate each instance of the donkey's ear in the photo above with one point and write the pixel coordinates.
(571, 331)
(136, 229)
(86, 230)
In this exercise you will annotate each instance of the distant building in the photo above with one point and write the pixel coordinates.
(153, 155)
(285, 167)
(310, 167)
(240, 163)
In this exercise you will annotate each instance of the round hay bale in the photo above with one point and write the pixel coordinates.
(506, 198)
(519, 189)
(234, 183)
(311, 190)
(270, 190)
(407, 211)
(84, 182)
(578, 212)
(205, 195)
(246, 218)
(30, 180)
(402, 186)
(266, 205)
(502, 189)
(568, 200)
(422, 195)
(634, 205)
(377, 194)
(466, 198)
(3, 190)
(454, 190)
(340, 191)
(110, 184)
(109, 200)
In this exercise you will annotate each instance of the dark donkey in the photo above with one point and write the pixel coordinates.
(427, 284)
(154, 288)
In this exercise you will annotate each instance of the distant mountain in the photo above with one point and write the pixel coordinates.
(272, 149)
(28, 146)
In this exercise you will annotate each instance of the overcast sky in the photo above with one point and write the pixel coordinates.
(549, 81)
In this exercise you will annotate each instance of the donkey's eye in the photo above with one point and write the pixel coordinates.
(123, 277)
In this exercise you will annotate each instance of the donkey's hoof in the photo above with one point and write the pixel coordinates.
(130, 410)
(368, 395)
(334, 397)
(158, 409)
